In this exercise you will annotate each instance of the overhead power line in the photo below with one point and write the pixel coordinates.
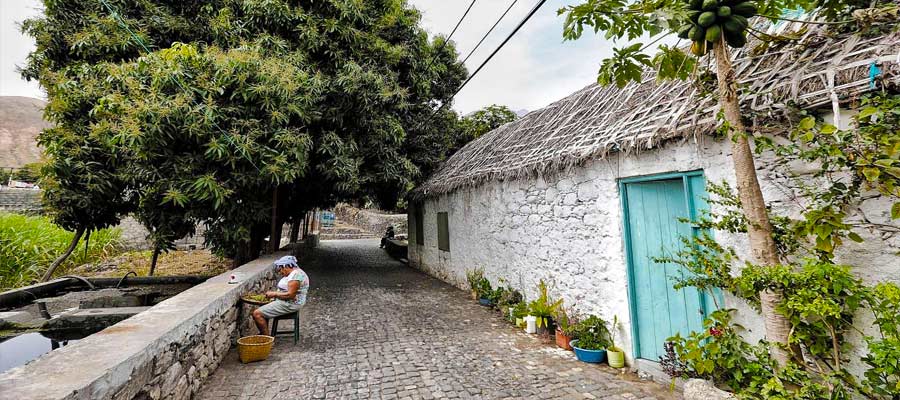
(508, 37)
(469, 79)
(489, 31)
(440, 49)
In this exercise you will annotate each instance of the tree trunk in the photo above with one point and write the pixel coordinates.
(62, 258)
(295, 230)
(275, 231)
(759, 228)
(153, 260)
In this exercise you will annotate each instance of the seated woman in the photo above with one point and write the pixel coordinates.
(290, 296)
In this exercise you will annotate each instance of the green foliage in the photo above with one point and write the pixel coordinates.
(474, 277)
(820, 300)
(592, 333)
(883, 360)
(520, 310)
(543, 307)
(29, 243)
(196, 112)
(719, 354)
(567, 320)
(472, 126)
(702, 22)
(30, 173)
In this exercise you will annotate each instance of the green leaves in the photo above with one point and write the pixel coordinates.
(627, 65)
(673, 63)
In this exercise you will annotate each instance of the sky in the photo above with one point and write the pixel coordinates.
(534, 69)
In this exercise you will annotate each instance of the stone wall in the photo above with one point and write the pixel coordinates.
(568, 230)
(165, 352)
(20, 200)
(373, 221)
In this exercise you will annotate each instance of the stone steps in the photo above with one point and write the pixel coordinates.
(341, 231)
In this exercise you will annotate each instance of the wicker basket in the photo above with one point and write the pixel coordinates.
(255, 348)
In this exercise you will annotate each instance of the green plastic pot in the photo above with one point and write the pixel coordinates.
(615, 357)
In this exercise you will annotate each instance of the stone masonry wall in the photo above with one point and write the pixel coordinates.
(20, 200)
(370, 220)
(568, 230)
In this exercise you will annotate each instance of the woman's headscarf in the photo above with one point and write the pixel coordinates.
(289, 261)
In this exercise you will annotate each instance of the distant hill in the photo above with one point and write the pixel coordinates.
(21, 119)
(521, 112)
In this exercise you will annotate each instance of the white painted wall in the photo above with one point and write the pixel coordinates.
(567, 230)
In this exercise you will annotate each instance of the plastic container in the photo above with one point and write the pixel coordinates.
(531, 324)
(588, 356)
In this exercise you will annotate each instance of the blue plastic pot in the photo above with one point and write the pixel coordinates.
(588, 356)
(484, 302)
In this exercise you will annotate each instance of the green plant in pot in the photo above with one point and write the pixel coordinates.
(507, 300)
(592, 340)
(520, 311)
(474, 277)
(543, 308)
(567, 320)
(615, 354)
(483, 291)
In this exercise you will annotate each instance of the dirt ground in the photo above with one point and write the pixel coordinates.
(181, 262)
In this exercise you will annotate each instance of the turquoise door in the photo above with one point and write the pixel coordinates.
(652, 208)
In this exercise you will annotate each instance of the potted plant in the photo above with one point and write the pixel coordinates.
(474, 276)
(520, 311)
(494, 297)
(615, 354)
(566, 327)
(507, 300)
(543, 309)
(484, 291)
(593, 339)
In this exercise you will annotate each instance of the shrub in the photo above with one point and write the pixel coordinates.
(28, 244)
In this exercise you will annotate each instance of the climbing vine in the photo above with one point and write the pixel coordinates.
(821, 297)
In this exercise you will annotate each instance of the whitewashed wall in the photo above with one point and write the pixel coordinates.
(567, 230)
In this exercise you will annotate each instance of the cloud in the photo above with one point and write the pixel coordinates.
(15, 46)
(534, 69)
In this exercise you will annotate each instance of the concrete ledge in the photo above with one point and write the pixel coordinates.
(155, 352)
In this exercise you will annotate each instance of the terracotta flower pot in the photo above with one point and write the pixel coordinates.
(562, 340)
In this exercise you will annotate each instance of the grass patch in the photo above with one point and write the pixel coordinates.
(28, 244)
(173, 263)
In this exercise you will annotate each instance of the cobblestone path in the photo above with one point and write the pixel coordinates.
(374, 328)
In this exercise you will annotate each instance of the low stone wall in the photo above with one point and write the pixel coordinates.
(20, 200)
(165, 352)
(370, 220)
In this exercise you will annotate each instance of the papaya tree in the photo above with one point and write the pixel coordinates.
(712, 27)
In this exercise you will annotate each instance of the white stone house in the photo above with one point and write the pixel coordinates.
(585, 191)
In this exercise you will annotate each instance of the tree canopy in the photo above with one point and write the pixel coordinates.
(215, 111)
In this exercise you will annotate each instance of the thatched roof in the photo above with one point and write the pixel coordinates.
(596, 120)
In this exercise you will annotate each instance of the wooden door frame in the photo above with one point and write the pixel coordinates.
(626, 239)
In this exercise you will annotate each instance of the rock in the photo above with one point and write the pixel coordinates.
(698, 389)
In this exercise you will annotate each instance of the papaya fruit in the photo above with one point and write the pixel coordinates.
(697, 33)
(746, 9)
(710, 5)
(741, 20)
(724, 11)
(698, 48)
(732, 25)
(706, 19)
(712, 33)
(736, 40)
(684, 31)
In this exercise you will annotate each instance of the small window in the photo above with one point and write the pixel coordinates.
(420, 225)
(443, 232)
